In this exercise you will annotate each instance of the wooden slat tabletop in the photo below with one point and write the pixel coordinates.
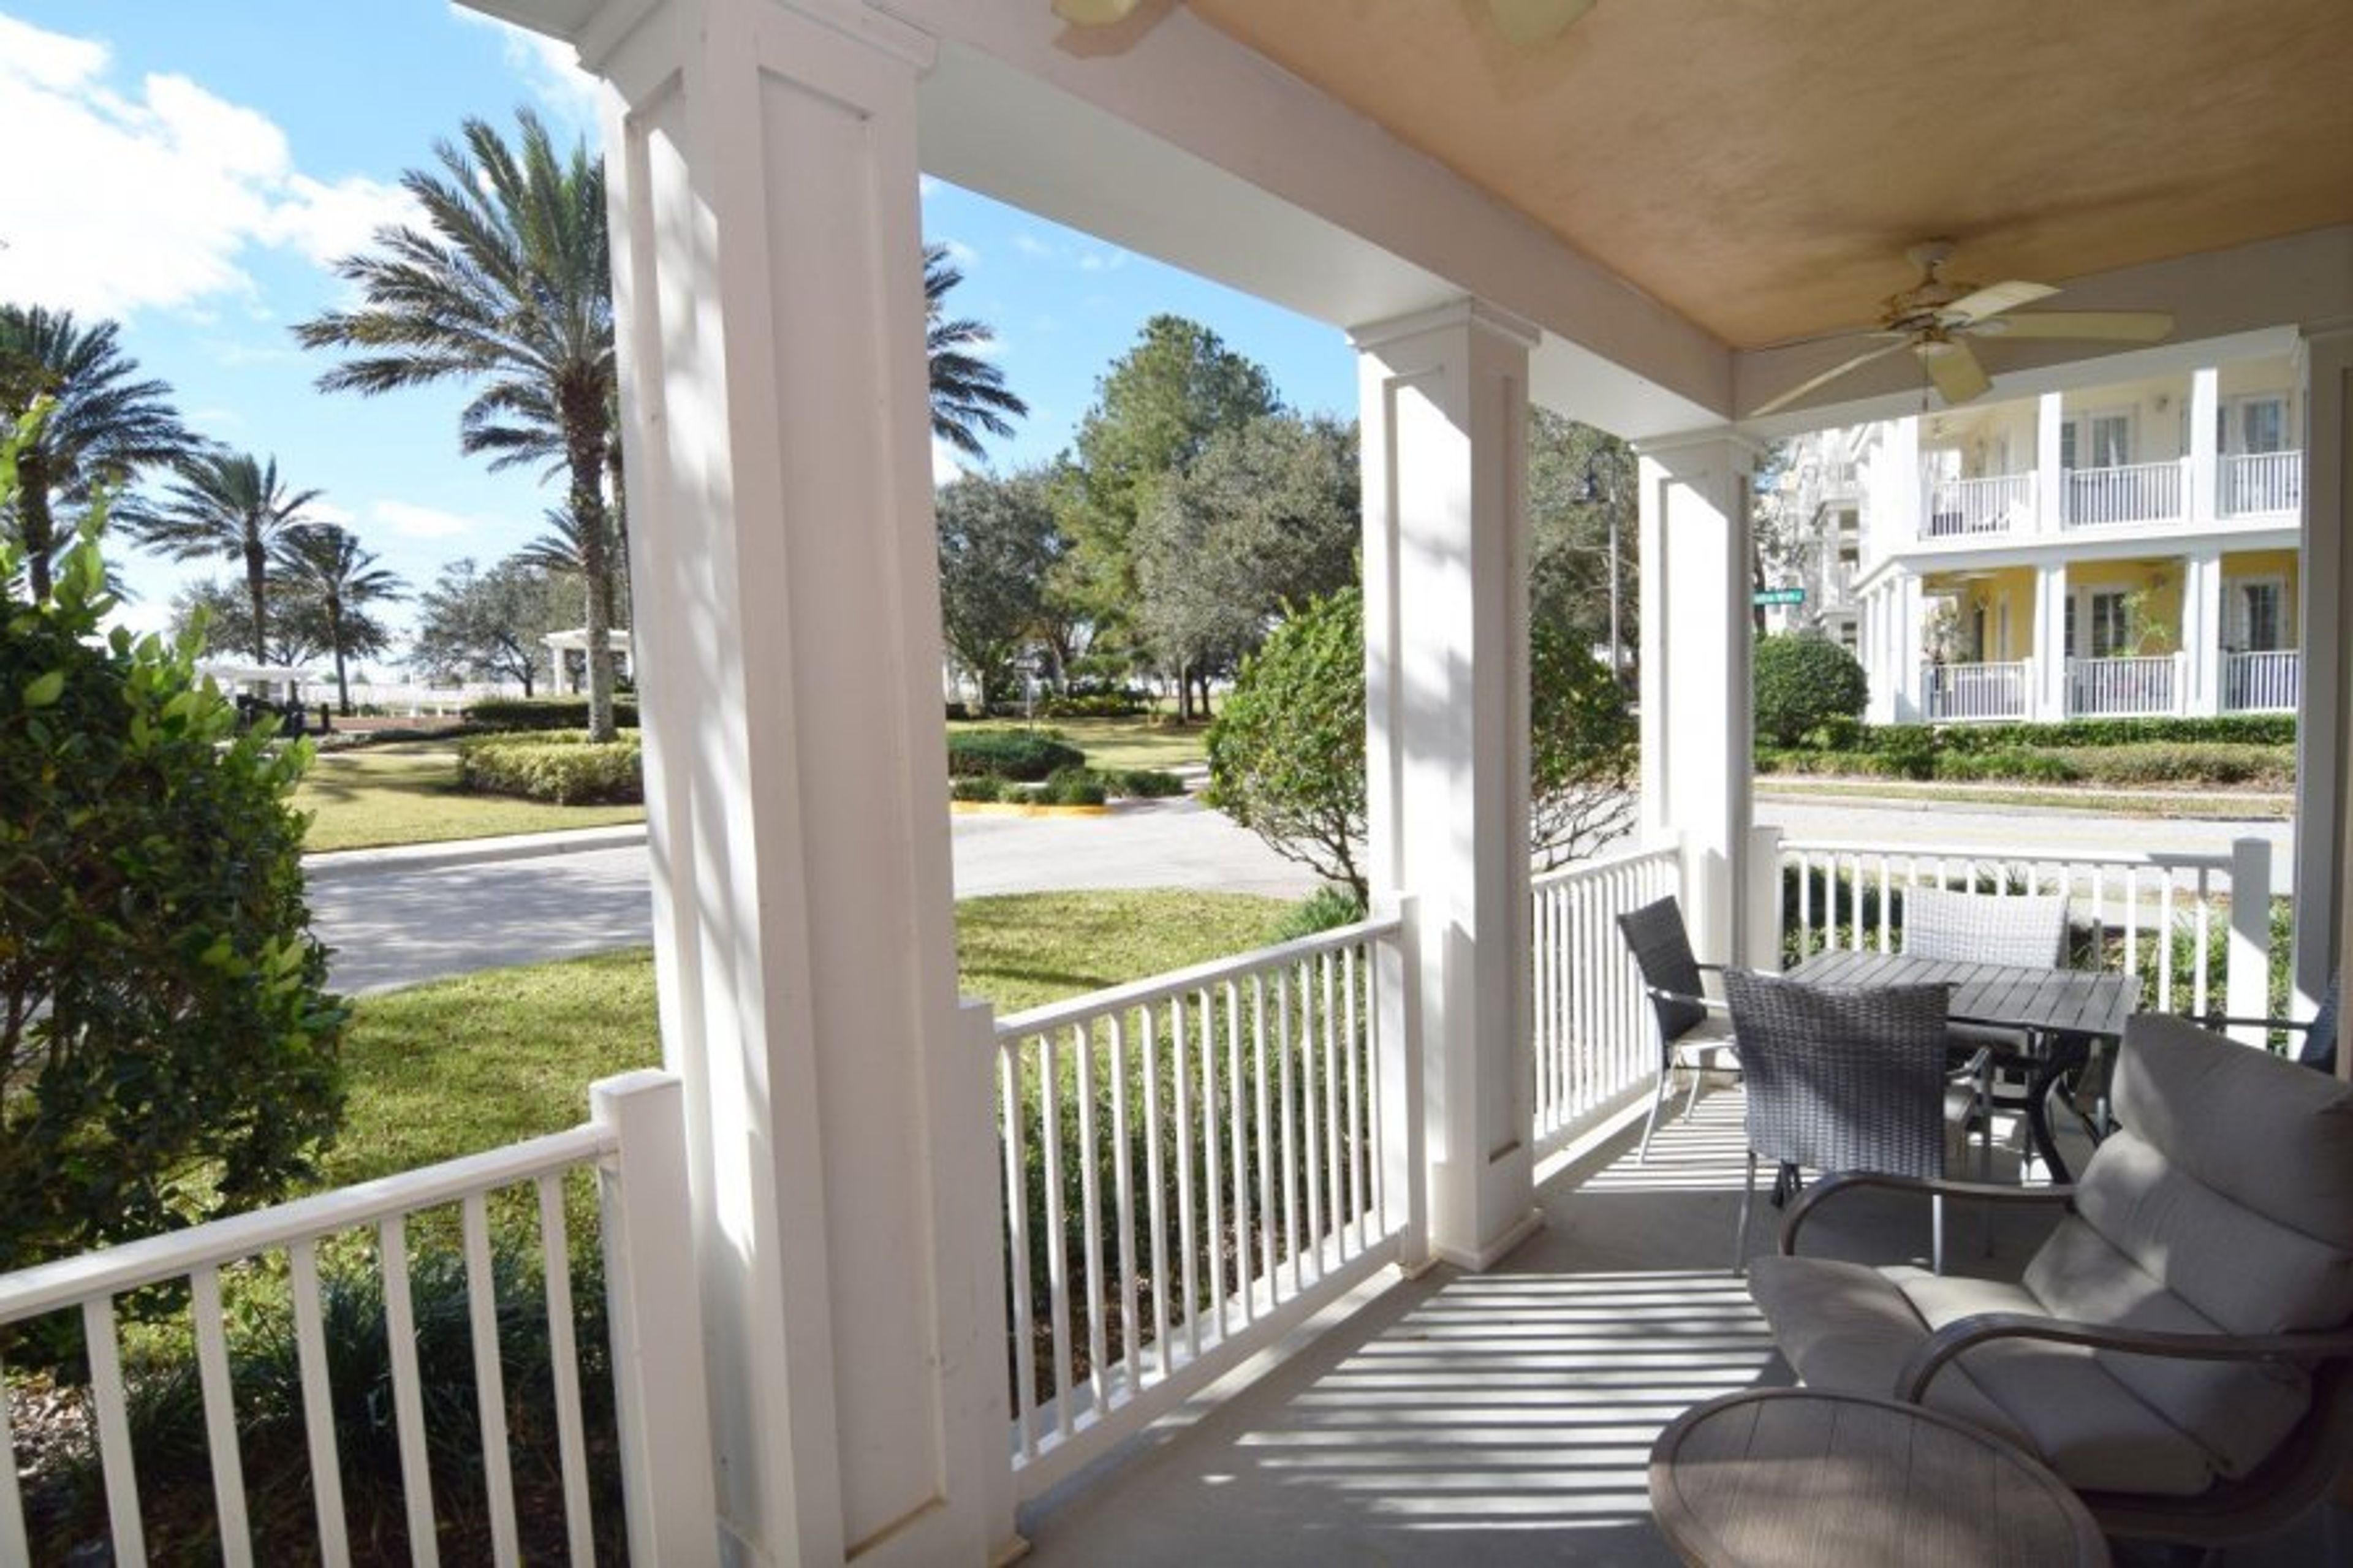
(2068, 1000)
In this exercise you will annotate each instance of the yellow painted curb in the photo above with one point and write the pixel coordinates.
(1009, 808)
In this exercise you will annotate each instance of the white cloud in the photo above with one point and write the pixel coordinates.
(963, 257)
(150, 197)
(328, 512)
(549, 67)
(1030, 246)
(1101, 261)
(412, 521)
(945, 468)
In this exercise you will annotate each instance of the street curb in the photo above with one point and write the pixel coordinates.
(473, 851)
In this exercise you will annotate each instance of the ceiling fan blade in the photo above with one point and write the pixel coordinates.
(1958, 376)
(1524, 21)
(1095, 13)
(2123, 326)
(1803, 387)
(1994, 299)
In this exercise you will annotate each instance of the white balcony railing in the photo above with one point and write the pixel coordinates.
(2198, 925)
(231, 1272)
(2119, 687)
(1959, 693)
(2137, 492)
(2255, 482)
(1594, 1040)
(2263, 683)
(1193, 1163)
(1991, 505)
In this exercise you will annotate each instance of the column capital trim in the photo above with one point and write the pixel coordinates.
(1662, 447)
(1476, 314)
(614, 22)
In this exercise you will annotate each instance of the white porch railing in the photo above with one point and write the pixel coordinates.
(1964, 691)
(2263, 682)
(1193, 1164)
(1990, 505)
(636, 1144)
(2260, 482)
(2136, 492)
(2114, 688)
(1593, 1031)
(2159, 915)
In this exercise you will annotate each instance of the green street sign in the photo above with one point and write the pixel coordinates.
(1781, 596)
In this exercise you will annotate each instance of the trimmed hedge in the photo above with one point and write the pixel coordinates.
(1147, 784)
(544, 713)
(2137, 765)
(560, 769)
(1024, 756)
(2226, 729)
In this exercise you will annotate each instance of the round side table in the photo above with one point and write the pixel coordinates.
(1798, 1477)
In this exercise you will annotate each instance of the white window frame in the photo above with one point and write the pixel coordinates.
(2230, 440)
(2079, 429)
(2235, 628)
(2083, 620)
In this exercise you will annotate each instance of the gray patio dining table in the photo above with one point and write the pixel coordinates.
(2064, 1010)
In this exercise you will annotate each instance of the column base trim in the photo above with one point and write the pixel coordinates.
(1496, 1250)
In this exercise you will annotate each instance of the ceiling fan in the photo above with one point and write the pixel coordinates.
(1936, 317)
(1520, 22)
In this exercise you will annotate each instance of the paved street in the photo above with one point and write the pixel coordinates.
(396, 926)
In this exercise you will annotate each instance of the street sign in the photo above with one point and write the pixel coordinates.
(1779, 596)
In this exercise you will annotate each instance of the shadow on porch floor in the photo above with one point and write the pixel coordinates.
(1507, 1418)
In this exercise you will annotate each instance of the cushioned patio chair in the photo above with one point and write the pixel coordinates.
(2180, 1350)
(2317, 1049)
(1694, 1033)
(1840, 1079)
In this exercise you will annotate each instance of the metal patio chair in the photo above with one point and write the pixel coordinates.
(1694, 1033)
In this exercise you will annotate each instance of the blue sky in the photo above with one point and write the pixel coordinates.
(189, 170)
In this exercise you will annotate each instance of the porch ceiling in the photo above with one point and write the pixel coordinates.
(1761, 171)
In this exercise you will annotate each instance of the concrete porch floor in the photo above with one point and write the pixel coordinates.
(1507, 1419)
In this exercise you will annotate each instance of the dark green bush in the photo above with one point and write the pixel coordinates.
(1326, 908)
(2230, 729)
(1149, 783)
(981, 788)
(1026, 756)
(1804, 683)
(1088, 701)
(2160, 764)
(544, 713)
(561, 770)
(2031, 767)
(1910, 750)
(1073, 787)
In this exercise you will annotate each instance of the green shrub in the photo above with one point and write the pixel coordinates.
(1120, 702)
(561, 770)
(2175, 764)
(1803, 683)
(2019, 765)
(1027, 755)
(1326, 908)
(1910, 750)
(1287, 756)
(543, 713)
(980, 789)
(168, 1046)
(1075, 787)
(2229, 729)
(1148, 783)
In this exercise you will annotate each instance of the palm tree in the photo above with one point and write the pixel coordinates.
(228, 504)
(325, 570)
(968, 393)
(103, 426)
(510, 286)
(561, 549)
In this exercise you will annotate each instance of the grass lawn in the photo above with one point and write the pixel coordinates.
(407, 793)
(463, 1065)
(1136, 742)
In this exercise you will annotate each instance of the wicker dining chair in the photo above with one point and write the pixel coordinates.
(1986, 927)
(1841, 1079)
(1694, 1034)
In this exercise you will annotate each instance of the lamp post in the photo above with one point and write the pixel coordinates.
(1598, 492)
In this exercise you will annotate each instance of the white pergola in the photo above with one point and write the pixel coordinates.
(764, 159)
(576, 640)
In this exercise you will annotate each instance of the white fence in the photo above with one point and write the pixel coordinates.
(1594, 1038)
(2136, 492)
(636, 1144)
(2159, 915)
(409, 699)
(1991, 505)
(1193, 1164)
(1960, 691)
(2261, 682)
(2115, 688)
(2260, 482)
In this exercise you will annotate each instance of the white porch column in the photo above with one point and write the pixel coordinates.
(768, 259)
(2201, 630)
(1444, 400)
(2050, 514)
(2049, 700)
(1908, 610)
(1699, 714)
(2205, 498)
(2323, 763)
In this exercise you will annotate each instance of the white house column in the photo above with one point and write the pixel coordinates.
(1910, 613)
(767, 252)
(2050, 506)
(2324, 761)
(2048, 701)
(2201, 629)
(2205, 433)
(1698, 712)
(1444, 400)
